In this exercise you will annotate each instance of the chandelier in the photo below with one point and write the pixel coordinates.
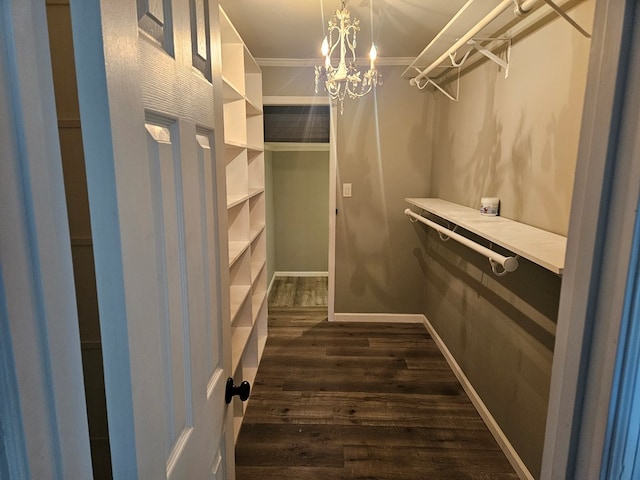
(345, 79)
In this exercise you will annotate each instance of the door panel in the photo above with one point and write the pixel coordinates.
(148, 129)
(168, 215)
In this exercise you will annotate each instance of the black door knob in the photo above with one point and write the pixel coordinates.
(243, 390)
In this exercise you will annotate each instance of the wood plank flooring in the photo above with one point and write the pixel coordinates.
(368, 401)
(298, 292)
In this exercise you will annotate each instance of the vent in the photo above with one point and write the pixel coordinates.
(306, 124)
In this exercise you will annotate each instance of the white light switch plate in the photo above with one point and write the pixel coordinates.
(346, 189)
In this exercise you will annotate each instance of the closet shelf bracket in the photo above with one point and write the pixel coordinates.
(503, 63)
(475, 44)
(564, 15)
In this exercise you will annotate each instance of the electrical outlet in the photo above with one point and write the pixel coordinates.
(346, 189)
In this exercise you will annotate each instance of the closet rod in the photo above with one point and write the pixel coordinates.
(509, 264)
(464, 39)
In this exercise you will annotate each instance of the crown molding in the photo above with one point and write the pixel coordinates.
(311, 62)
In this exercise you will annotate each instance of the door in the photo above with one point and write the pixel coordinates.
(43, 426)
(147, 114)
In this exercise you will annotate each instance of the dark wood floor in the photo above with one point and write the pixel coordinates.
(359, 401)
(298, 292)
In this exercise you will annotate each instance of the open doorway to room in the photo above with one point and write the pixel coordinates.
(297, 177)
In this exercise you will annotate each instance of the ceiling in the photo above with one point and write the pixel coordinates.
(293, 29)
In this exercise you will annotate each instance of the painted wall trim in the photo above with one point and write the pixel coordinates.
(600, 238)
(310, 62)
(300, 274)
(296, 147)
(502, 440)
(379, 317)
(296, 100)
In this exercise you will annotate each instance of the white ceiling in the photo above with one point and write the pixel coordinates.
(293, 29)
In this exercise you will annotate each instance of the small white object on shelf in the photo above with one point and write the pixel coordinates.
(490, 206)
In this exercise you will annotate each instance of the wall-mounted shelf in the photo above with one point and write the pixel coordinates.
(245, 181)
(476, 27)
(539, 246)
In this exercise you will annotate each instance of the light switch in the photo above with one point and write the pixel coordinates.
(346, 189)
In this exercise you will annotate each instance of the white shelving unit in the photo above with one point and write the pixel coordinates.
(244, 160)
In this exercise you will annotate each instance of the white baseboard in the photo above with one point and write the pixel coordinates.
(514, 459)
(378, 317)
(300, 274)
(273, 277)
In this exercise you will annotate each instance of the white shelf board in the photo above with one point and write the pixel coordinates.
(237, 424)
(539, 246)
(262, 342)
(256, 229)
(230, 92)
(252, 108)
(233, 200)
(257, 301)
(234, 147)
(255, 232)
(256, 267)
(239, 338)
(237, 295)
(236, 249)
(255, 148)
(234, 144)
(255, 191)
(249, 374)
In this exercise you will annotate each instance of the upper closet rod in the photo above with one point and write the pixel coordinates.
(435, 39)
(502, 6)
(520, 9)
(509, 264)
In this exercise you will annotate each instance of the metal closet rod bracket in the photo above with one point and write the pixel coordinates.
(564, 15)
(424, 82)
(521, 8)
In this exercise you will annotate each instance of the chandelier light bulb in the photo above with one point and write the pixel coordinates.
(325, 47)
(373, 54)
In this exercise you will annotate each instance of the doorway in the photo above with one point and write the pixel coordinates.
(300, 199)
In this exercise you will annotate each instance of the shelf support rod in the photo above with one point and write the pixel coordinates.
(509, 264)
(564, 15)
(492, 56)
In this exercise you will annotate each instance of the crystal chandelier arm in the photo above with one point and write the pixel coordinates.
(350, 38)
(332, 45)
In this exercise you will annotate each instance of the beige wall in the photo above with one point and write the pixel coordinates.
(516, 139)
(384, 146)
(288, 81)
(385, 154)
(300, 195)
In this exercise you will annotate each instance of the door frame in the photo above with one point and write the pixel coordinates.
(47, 432)
(599, 250)
(333, 162)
